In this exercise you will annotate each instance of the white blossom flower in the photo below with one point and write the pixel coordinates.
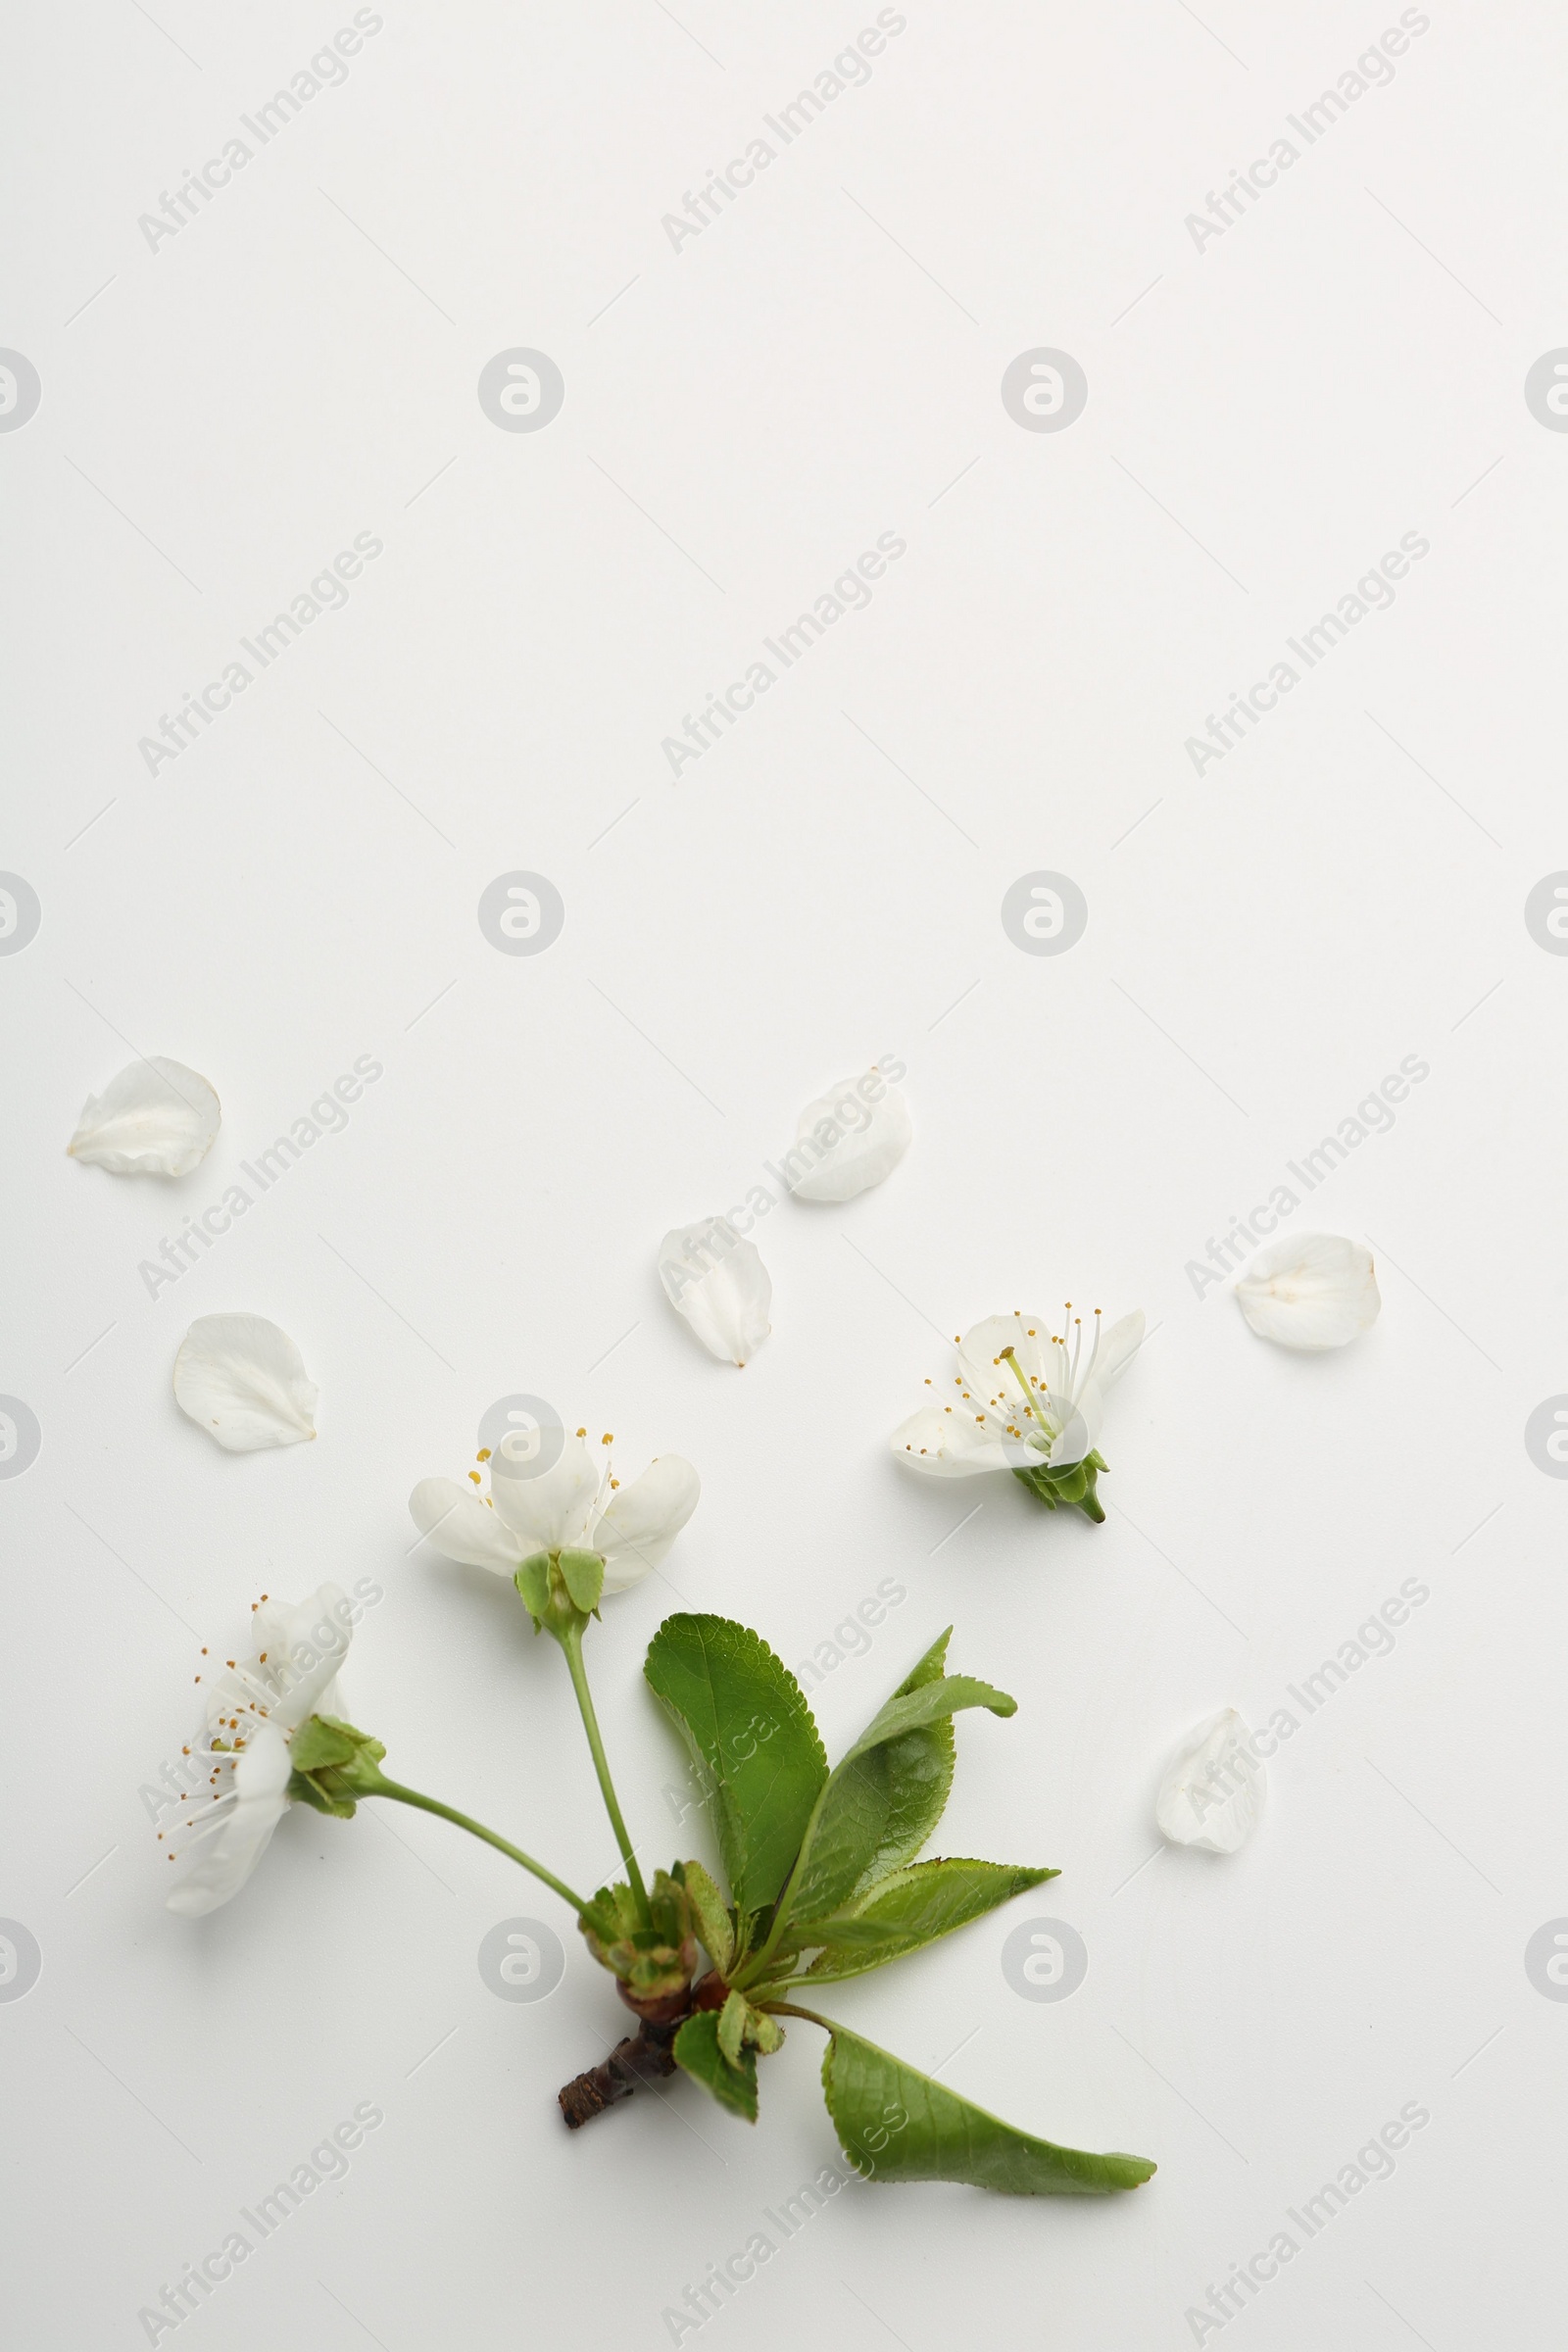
(720, 1284)
(851, 1139)
(1212, 1791)
(244, 1382)
(255, 1703)
(575, 1505)
(154, 1118)
(1022, 1398)
(1311, 1291)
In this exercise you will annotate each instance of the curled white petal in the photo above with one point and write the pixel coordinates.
(848, 1142)
(156, 1118)
(1311, 1291)
(463, 1527)
(1212, 1793)
(642, 1521)
(720, 1285)
(244, 1382)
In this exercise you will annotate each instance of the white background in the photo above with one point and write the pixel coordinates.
(1266, 417)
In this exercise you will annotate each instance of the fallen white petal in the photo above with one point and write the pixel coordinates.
(244, 1381)
(156, 1118)
(869, 1139)
(1311, 1291)
(1213, 1791)
(721, 1287)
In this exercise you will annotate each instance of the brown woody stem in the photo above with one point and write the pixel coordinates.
(643, 2057)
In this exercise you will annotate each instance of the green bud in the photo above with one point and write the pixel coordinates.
(655, 1965)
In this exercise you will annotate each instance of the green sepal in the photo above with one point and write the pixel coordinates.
(697, 2050)
(903, 1913)
(1075, 1485)
(583, 1575)
(894, 2124)
(332, 1765)
(710, 1917)
(532, 1581)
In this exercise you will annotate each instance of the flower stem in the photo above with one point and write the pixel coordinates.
(383, 1787)
(570, 1639)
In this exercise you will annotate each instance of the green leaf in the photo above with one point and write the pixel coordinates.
(896, 2123)
(885, 1797)
(918, 1770)
(583, 1575)
(907, 1910)
(944, 1694)
(732, 2025)
(710, 1917)
(696, 2048)
(752, 1741)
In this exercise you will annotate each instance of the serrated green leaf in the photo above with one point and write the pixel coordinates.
(944, 1694)
(881, 1796)
(917, 1768)
(696, 2049)
(896, 2123)
(752, 1741)
(583, 1575)
(710, 1917)
(907, 1910)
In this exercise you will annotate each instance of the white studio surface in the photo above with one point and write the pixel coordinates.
(1275, 402)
